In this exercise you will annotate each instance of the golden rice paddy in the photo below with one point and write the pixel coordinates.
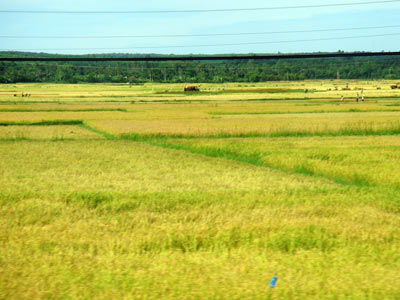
(144, 192)
(242, 125)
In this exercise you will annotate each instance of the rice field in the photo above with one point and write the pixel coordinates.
(46, 132)
(144, 192)
(362, 160)
(173, 93)
(256, 125)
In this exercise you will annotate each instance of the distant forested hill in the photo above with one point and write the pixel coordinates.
(204, 71)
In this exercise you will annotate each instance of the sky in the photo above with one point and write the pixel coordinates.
(305, 19)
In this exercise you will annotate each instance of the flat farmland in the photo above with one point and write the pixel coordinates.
(146, 192)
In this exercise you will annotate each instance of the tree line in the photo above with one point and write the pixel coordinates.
(196, 71)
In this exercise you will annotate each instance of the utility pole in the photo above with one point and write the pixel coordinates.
(338, 75)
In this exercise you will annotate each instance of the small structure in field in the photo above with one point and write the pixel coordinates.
(394, 86)
(347, 88)
(191, 88)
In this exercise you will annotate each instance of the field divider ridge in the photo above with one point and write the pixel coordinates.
(103, 133)
(65, 110)
(43, 123)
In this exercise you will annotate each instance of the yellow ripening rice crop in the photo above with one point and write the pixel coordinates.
(123, 166)
(121, 220)
(200, 218)
(238, 125)
(46, 132)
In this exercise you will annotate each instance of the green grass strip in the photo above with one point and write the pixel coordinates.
(103, 133)
(56, 123)
(43, 123)
(64, 110)
(53, 139)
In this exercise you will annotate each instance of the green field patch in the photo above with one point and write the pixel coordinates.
(64, 110)
(103, 133)
(89, 199)
(43, 123)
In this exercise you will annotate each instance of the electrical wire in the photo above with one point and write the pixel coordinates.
(209, 45)
(196, 35)
(195, 10)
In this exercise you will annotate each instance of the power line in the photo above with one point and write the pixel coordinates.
(196, 35)
(210, 45)
(195, 10)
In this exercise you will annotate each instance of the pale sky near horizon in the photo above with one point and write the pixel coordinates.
(371, 15)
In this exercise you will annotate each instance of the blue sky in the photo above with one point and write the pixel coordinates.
(371, 15)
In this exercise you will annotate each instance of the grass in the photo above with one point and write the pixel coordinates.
(168, 201)
(105, 134)
(60, 110)
(43, 123)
